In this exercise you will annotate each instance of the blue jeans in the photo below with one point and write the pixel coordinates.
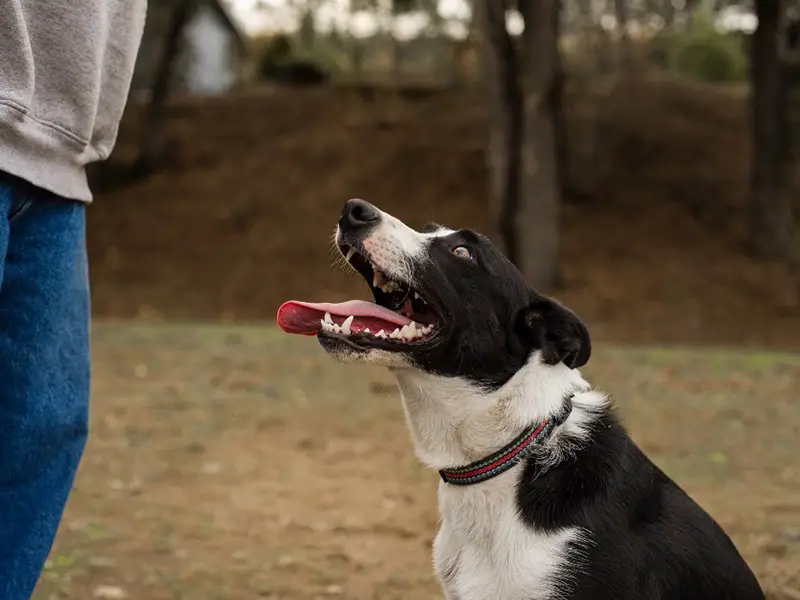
(44, 373)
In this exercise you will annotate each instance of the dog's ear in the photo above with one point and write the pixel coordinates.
(548, 326)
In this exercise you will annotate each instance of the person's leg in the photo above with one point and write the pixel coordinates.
(44, 373)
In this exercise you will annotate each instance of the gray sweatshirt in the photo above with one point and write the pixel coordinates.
(65, 71)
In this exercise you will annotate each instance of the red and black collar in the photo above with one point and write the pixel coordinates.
(508, 456)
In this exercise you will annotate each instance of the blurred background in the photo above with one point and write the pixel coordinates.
(638, 159)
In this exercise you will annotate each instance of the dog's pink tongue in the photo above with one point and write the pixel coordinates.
(305, 317)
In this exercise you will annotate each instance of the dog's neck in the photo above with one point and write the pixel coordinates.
(454, 422)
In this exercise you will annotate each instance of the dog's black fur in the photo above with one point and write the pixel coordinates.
(650, 541)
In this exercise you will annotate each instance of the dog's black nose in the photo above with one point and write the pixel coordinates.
(358, 214)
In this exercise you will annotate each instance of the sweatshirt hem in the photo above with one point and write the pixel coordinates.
(43, 155)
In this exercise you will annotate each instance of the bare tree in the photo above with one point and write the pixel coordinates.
(564, 172)
(462, 48)
(624, 40)
(770, 209)
(540, 198)
(501, 73)
(523, 84)
(669, 13)
(690, 8)
(153, 143)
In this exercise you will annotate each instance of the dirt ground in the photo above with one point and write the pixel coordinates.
(241, 219)
(239, 463)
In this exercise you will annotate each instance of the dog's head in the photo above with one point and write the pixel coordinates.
(446, 302)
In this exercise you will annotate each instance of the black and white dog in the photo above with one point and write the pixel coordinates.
(543, 494)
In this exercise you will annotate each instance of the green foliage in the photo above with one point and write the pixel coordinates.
(282, 55)
(326, 54)
(701, 52)
(276, 52)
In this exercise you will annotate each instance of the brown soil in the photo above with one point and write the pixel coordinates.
(241, 219)
(240, 463)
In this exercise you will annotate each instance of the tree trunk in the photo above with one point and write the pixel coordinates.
(397, 59)
(586, 12)
(690, 8)
(308, 31)
(464, 48)
(770, 210)
(561, 130)
(561, 136)
(501, 72)
(537, 222)
(153, 145)
(623, 42)
(524, 86)
(669, 13)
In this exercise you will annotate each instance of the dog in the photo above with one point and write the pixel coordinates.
(543, 495)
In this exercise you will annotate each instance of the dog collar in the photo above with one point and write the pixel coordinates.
(508, 456)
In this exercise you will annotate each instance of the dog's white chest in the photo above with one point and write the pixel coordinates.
(483, 551)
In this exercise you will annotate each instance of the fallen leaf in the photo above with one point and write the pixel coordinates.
(109, 592)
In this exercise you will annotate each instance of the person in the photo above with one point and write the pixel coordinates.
(64, 79)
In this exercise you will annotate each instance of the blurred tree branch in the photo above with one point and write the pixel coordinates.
(153, 145)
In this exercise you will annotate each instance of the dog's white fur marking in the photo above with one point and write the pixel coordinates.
(483, 550)
(454, 422)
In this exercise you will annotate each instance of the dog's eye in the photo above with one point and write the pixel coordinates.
(462, 252)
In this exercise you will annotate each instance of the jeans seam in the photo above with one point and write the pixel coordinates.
(20, 210)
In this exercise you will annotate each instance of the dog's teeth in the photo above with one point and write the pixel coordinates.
(366, 330)
(349, 254)
(417, 296)
(336, 328)
(410, 331)
(346, 325)
(381, 334)
(424, 330)
(377, 279)
(395, 335)
(328, 318)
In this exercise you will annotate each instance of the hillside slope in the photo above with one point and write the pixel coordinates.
(242, 218)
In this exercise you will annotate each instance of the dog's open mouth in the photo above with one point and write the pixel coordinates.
(399, 317)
